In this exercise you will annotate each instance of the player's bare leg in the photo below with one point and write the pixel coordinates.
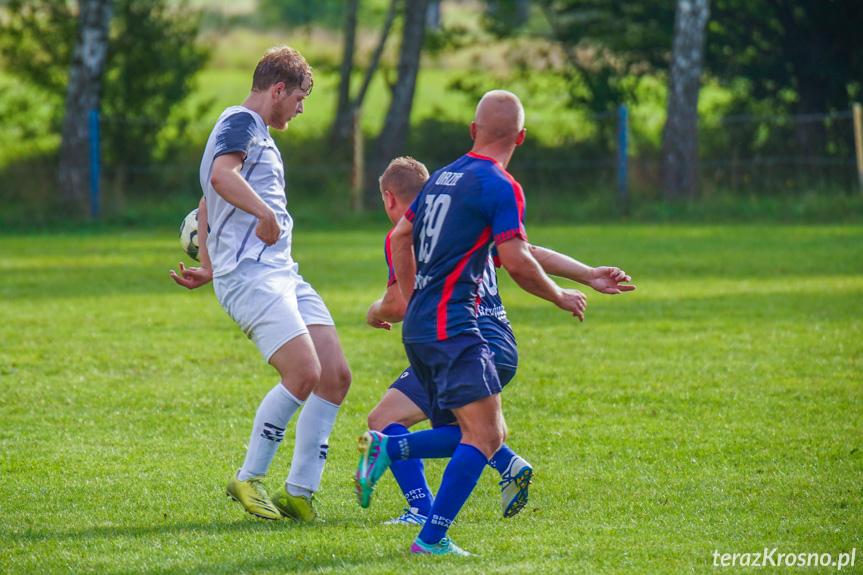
(335, 377)
(298, 365)
(482, 424)
(395, 407)
(314, 425)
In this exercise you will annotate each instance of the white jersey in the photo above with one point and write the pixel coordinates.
(232, 231)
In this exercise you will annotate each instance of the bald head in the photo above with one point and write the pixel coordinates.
(499, 116)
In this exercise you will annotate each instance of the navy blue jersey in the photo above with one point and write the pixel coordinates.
(491, 317)
(460, 212)
(490, 304)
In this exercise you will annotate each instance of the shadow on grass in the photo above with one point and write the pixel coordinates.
(169, 528)
(305, 547)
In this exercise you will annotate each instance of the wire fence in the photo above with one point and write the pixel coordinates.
(616, 161)
(738, 155)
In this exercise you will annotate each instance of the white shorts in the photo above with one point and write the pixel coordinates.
(271, 305)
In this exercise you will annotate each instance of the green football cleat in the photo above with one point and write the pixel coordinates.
(374, 461)
(443, 547)
(252, 495)
(295, 507)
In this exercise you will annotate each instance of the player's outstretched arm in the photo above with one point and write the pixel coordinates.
(192, 278)
(610, 280)
(234, 188)
(516, 258)
(404, 265)
(388, 310)
(604, 279)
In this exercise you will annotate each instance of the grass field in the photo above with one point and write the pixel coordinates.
(717, 408)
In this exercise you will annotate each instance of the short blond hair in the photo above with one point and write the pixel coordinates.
(282, 64)
(404, 178)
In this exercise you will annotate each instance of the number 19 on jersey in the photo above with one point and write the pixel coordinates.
(435, 214)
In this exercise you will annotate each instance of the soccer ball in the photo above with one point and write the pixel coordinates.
(189, 235)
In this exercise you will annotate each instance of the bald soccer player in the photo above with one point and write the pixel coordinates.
(443, 242)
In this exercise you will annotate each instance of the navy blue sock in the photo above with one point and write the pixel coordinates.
(459, 479)
(434, 443)
(500, 460)
(410, 475)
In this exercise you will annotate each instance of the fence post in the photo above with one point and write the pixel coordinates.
(95, 164)
(858, 141)
(357, 162)
(622, 159)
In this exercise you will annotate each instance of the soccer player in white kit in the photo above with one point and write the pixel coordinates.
(245, 236)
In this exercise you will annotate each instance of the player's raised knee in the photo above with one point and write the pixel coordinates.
(382, 416)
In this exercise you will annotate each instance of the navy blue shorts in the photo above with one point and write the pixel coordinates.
(454, 372)
(501, 342)
(408, 384)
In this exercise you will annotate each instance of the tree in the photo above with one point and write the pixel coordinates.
(433, 15)
(809, 46)
(135, 89)
(346, 128)
(83, 95)
(609, 43)
(349, 108)
(143, 87)
(296, 13)
(392, 138)
(800, 56)
(679, 164)
(778, 57)
(36, 41)
(344, 112)
(503, 16)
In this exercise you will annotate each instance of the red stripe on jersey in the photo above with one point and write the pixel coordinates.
(518, 192)
(409, 215)
(449, 283)
(477, 156)
(388, 250)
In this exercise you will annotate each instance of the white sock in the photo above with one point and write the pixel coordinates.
(273, 415)
(314, 425)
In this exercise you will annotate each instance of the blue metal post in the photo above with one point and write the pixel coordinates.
(622, 159)
(95, 164)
